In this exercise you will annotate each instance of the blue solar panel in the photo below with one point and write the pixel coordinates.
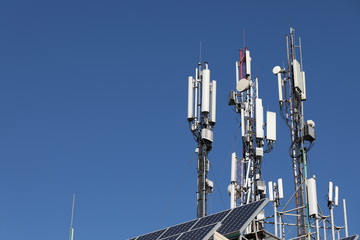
(353, 237)
(226, 222)
(240, 217)
(198, 234)
(178, 229)
(214, 218)
(171, 238)
(151, 236)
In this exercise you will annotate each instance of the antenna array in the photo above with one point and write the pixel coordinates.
(249, 187)
(202, 119)
(292, 94)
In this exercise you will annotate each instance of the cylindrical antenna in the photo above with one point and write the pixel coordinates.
(205, 102)
(190, 98)
(213, 102)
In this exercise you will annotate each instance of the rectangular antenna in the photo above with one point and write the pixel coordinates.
(259, 118)
(242, 122)
(271, 126)
(213, 102)
(336, 197)
(312, 196)
(271, 191)
(233, 167)
(330, 194)
(248, 62)
(280, 188)
(205, 91)
(190, 98)
(280, 87)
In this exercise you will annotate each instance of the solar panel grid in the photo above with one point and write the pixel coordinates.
(151, 236)
(353, 237)
(198, 233)
(175, 237)
(238, 217)
(184, 227)
(214, 218)
(231, 221)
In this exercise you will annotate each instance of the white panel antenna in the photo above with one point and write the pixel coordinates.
(233, 167)
(271, 191)
(190, 98)
(271, 126)
(336, 197)
(259, 119)
(330, 194)
(205, 103)
(248, 63)
(303, 94)
(312, 197)
(280, 188)
(213, 102)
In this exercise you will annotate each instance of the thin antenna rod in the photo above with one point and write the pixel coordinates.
(72, 211)
(71, 237)
(244, 37)
(200, 51)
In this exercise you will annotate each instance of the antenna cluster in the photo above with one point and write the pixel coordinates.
(246, 184)
(202, 119)
(249, 186)
(292, 94)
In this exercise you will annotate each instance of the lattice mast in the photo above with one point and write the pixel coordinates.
(292, 94)
(246, 182)
(202, 119)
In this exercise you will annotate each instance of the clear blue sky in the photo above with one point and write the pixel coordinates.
(93, 101)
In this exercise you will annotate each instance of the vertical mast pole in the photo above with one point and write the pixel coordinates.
(202, 98)
(292, 93)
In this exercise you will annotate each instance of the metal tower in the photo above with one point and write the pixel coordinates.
(202, 118)
(292, 94)
(249, 186)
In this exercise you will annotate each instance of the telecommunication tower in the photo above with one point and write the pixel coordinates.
(202, 119)
(292, 94)
(246, 182)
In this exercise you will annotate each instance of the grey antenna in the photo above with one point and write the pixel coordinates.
(71, 237)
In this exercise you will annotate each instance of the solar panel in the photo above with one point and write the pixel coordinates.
(151, 236)
(199, 233)
(178, 229)
(353, 237)
(226, 222)
(171, 238)
(214, 218)
(239, 218)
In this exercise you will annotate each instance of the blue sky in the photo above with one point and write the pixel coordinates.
(93, 99)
